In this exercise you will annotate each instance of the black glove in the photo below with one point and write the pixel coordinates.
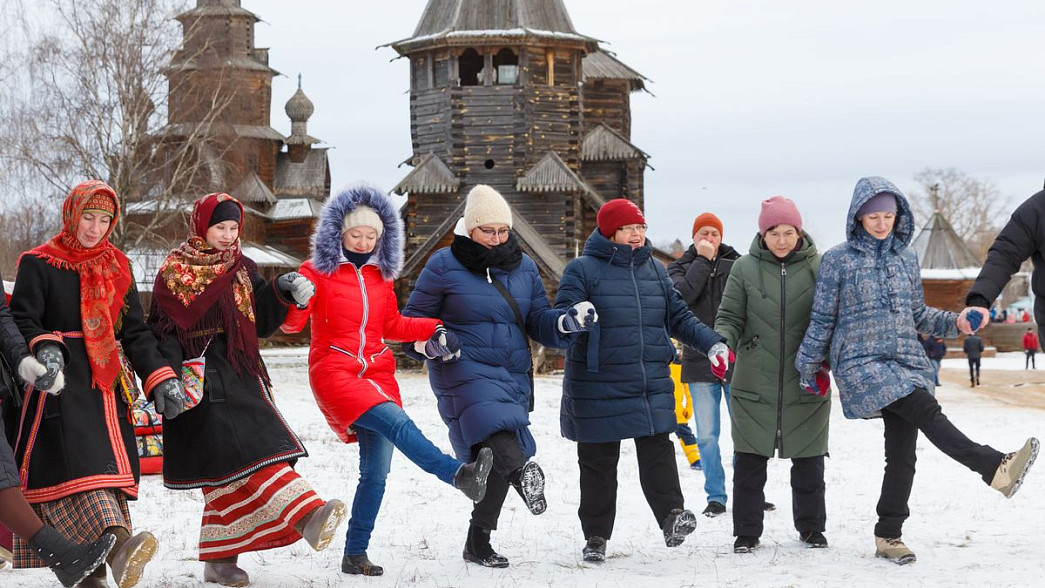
(443, 344)
(50, 355)
(298, 287)
(170, 398)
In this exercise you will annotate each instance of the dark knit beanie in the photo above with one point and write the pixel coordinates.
(225, 211)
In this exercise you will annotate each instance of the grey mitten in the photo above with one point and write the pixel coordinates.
(298, 287)
(170, 398)
(50, 356)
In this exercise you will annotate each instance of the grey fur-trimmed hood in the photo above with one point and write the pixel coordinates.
(326, 241)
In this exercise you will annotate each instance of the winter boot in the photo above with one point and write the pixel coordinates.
(471, 477)
(529, 483)
(677, 525)
(225, 572)
(595, 549)
(745, 544)
(696, 466)
(95, 580)
(1009, 476)
(814, 539)
(713, 509)
(894, 550)
(768, 506)
(131, 555)
(319, 526)
(69, 561)
(477, 549)
(360, 565)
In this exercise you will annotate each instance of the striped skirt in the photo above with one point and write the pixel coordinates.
(255, 513)
(81, 517)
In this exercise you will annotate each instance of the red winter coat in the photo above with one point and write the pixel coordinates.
(349, 366)
(1030, 342)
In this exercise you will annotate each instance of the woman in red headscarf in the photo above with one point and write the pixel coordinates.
(209, 300)
(75, 302)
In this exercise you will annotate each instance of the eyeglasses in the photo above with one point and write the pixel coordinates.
(633, 229)
(491, 232)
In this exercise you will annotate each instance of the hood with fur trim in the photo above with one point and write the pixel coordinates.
(326, 241)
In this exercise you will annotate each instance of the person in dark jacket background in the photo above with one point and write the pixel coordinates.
(485, 397)
(973, 347)
(764, 314)
(935, 350)
(700, 277)
(618, 383)
(1022, 237)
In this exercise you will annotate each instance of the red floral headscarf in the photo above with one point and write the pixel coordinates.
(105, 277)
(200, 291)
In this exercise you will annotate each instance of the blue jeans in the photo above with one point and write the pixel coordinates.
(936, 370)
(706, 415)
(380, 429)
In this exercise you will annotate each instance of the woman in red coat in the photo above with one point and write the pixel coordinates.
(357, 251)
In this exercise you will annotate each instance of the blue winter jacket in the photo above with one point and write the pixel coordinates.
(488, 389)
(868, 309)
(618, 383)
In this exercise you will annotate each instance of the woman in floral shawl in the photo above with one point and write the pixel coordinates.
(209, 300)
(75, 302)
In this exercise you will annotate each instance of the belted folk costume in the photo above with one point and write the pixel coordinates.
(75, 296)
(209, 300)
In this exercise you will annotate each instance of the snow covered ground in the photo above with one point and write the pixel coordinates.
(963, 532)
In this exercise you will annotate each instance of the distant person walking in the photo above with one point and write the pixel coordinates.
(973, 348)
(1030, 347)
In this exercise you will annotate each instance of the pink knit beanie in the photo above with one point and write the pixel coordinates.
(778, 211)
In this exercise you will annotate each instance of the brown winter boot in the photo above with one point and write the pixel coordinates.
(130, 555)
(319, 526)
(224, 571)
(95, 580)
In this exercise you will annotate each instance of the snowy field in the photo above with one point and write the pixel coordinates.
(964, 533)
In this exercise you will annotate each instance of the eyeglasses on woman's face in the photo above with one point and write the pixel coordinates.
(502, 232)
(632, 229)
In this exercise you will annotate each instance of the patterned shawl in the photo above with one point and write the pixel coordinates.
(201, 291)
(105, 278)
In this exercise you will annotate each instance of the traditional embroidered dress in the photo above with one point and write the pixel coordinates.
(234, 444)
(84, 301)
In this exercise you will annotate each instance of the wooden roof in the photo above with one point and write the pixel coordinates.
(465, 22)
(938, 247)
(601, 65)
(430, 176)
(550, 174)
(308, 179)
(605, 144)
(251, 190)
(216, 8)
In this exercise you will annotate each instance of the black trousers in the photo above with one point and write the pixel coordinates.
(974, 376)
(658, 476)
(1029, 361)
(920, 411)
(808, 503)
(507, 460)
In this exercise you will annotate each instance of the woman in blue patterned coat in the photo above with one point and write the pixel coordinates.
(868, 309)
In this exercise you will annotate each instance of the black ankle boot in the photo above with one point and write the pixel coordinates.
(528, 481)
(70, 562)
(477, 549)
(471, 478)
(360, 565)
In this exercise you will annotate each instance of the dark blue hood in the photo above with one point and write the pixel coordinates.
(600, 247)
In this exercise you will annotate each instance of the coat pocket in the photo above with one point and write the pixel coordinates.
(745, 395)
(213, 385)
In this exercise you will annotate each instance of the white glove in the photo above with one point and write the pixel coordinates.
(300, 288)
(720, 357)
(29, 369)
(579, 317)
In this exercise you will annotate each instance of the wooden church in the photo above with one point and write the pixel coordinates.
(507, 93)
(220, 95)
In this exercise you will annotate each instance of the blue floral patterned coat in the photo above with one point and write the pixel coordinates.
(868, 309)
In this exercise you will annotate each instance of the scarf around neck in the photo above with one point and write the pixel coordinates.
(105, 279)
(478, 259)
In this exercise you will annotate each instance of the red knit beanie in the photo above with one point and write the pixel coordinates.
(707, 220)
(778, 211)
(617, 213)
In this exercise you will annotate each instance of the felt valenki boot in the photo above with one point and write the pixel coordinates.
(69, 561)
(224, 571)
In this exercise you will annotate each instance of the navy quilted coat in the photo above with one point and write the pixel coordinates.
(868, 309)
(487, 390)
(618, 383)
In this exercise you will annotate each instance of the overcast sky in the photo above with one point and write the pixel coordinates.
(751, 98)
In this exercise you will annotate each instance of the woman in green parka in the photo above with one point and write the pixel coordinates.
(763, 316)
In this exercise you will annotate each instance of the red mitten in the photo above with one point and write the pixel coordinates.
(823, 379)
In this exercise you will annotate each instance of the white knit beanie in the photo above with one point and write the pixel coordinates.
(485, 206)
(363, 216)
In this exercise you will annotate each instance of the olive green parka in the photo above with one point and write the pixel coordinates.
(763, 316)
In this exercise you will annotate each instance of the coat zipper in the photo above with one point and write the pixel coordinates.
(780, 384)
(362, 324)
(642, 345)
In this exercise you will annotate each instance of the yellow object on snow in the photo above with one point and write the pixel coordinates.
(684, 411)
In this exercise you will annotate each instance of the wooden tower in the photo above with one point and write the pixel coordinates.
(508, 93)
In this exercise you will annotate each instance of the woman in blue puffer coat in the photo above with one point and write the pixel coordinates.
(868, 309)
(618, 381)
(485, 397)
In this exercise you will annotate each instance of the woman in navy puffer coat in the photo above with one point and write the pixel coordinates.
(485, 397)
(868, 308)
(618, 381)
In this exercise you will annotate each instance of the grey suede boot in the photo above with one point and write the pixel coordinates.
(69, 561)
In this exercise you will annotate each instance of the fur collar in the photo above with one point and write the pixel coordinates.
(326, 241)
